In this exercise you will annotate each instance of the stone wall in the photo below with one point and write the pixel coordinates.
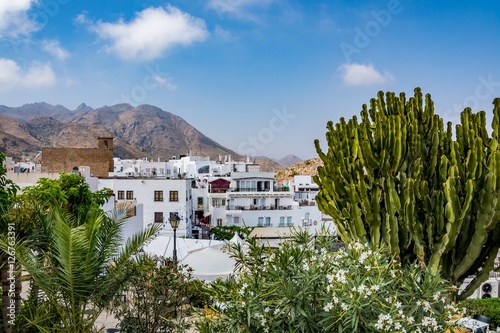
(100, 160)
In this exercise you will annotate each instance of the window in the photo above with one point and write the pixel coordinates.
(289, 221)
(219, 222)
(200, 202)
(158, 195)
(158, 217)
(130, 195)
(268, 221)
(282, 221)
(260, 222)
(168, 171)
(174, 196)
(236, 219)
(121, 195)
(218, 202)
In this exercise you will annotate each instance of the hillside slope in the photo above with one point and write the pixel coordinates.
(306, 167)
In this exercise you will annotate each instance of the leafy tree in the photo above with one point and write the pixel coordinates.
(8, 191)
(78, 268)
(227, 232)
(156, 292)
(399, 179)
(70, 191)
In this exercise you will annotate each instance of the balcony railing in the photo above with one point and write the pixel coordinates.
(256, 189)
(255, 207)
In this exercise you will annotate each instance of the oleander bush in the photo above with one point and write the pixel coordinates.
(304, 286)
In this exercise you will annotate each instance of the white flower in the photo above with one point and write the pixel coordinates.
(328, 307)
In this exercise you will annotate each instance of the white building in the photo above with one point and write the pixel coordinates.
(253, 199)
(159, 197)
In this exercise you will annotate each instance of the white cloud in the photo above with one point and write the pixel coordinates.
(53, 47)
(166, 82)
(240, 9)
(221, 33)
(291, 15)
(14, 20)
(354, 74)
(151, 32)
(69, 81)
(13, 76)
(82, 19)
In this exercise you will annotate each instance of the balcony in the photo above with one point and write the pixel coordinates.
(255, 207)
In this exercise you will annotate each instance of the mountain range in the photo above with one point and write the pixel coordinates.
(144, 131)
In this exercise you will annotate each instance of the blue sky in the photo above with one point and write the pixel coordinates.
(261, 77)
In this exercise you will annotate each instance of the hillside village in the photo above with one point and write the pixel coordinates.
(204, 193)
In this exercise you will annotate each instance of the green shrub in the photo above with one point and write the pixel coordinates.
(489, 307)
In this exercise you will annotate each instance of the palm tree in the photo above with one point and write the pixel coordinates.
(77, 265)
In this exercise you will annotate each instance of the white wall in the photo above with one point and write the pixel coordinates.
(143, 193)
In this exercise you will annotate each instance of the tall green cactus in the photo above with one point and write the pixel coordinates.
(398, 178)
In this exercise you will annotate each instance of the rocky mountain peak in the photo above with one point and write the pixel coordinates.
(83, 107)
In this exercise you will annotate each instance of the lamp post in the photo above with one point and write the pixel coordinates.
(174, 222)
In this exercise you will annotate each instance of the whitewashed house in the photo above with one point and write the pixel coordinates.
(159, 197)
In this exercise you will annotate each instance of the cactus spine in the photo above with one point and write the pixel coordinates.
(399, 179)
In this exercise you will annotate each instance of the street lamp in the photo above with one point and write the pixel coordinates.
(174, 222)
